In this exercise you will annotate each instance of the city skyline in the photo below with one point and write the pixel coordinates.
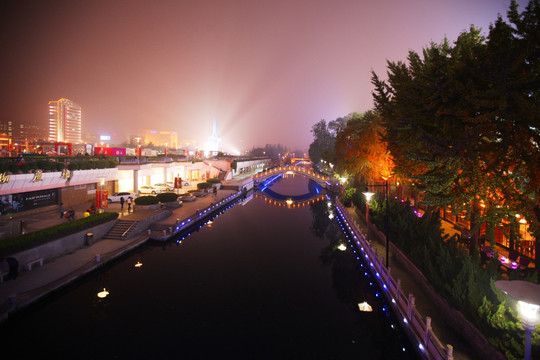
(267, 73)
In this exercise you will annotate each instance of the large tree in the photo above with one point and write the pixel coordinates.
(324, 137)
(360, 149)
(462, 121)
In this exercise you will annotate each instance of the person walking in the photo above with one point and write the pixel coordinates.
(13, 266)
(122, 203)
(61, 209)
(129, 201)
(71, 214)
(214, 191)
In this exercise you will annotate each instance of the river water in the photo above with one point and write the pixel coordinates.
(263, 280)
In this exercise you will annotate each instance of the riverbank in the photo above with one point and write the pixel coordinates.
(30, 286)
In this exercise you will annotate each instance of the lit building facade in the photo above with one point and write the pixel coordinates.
(162, 138)
(65, 121)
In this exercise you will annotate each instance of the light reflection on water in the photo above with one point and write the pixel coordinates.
(259, 282)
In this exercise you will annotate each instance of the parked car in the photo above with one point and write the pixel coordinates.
(116, 197)
(184, 183)
(163, 187)
(149, 189)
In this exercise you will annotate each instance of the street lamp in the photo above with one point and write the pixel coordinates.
(527, 295)
(368, 196)
(101, 183)
(343, 181)
(138, 148)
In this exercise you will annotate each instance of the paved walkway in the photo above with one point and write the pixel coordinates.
(409, 285)
(32, 285)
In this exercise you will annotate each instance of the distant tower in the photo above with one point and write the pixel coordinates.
(65, 122)
(214, 139)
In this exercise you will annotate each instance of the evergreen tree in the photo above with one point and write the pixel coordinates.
(462, 120)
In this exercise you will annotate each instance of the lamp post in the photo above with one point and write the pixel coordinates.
(386, 230)
(343, 181)
(368, 196)
(101, 183)
(138, 148)
(527, 295)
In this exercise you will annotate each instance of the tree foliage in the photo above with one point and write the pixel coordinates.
(462, 121)
(360, 148)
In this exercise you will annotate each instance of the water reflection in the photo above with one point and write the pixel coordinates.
(261, 282)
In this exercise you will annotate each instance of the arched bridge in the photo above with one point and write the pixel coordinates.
(289, 201)
(263, 175)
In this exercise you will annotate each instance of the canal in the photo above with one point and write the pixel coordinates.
(265, 279)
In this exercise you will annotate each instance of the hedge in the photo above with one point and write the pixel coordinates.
(30, 240)
(167, 197)
(147, 200)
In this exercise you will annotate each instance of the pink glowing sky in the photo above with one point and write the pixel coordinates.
(265, 70)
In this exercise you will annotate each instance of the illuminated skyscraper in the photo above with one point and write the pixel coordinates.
(65, 122)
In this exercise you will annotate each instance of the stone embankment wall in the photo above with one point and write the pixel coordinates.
(65, 245)
(71, 243)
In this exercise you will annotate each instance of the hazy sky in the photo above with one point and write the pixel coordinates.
(265, 70)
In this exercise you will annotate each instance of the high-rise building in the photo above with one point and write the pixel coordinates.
(65, 122)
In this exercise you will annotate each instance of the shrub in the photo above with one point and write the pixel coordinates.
(204, 185)
(37, 238)
(456, 276)
(213, 181)
(167, 197)
(146, 200)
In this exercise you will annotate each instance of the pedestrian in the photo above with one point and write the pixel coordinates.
(122, 203)
(129, 201)
(4, 266)
(71, 214)
(13, 265)
(62, 210)
(214, 191)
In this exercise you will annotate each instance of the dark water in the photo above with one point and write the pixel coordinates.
(263, 281)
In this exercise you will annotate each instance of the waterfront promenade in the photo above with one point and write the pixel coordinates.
(40, 281)
(30, 286)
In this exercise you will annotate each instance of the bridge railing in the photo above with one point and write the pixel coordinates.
(419, 329)
(295, 169)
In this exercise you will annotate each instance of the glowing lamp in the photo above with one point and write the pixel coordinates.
(342, 247)
(103, 294)
(138, 264)
(368, 195)
(364, 306)
(527, 295)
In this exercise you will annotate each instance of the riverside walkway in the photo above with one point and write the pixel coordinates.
(32, 285)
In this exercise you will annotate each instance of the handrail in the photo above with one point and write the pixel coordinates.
(419, 330)
(297, 169)
(128, 229)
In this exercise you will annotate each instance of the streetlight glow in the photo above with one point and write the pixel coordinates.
(527, 295)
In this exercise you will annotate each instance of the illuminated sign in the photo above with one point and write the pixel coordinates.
(104, 137)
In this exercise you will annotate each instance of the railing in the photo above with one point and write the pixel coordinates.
(418, 329)
(123, 236)
(199, 214)
(295, 169)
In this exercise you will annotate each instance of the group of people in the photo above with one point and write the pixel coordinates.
(129, 201)
(70, 214)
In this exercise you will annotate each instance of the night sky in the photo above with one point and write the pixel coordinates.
(265, 70)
